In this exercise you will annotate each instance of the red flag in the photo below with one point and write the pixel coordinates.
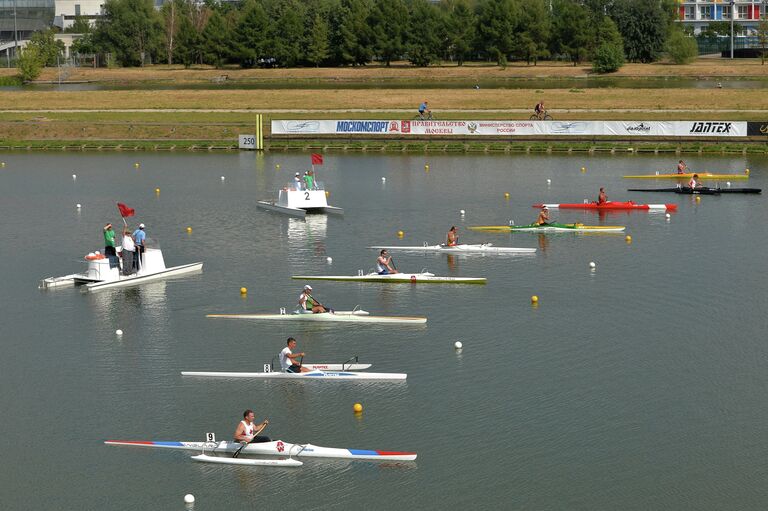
(125, 210)
(317, 159)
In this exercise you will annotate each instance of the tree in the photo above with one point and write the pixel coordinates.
(172, 12)
(460, 31)
(533, 39)
(497, 24)
(49, 49)
(609, 57)
(30, 63)
(131, 29)
(286, 32)
(79, 26)
(424, 30)
(250, 34)
(351, 34)
(681, 48)
(643, 25)
(319, 48)
(389, 25)
(571, 31)
(216, 37)
(762, 38)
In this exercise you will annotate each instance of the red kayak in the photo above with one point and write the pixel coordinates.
(611, 205)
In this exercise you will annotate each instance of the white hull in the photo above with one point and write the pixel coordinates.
(356, 316)
(412, 278)
(247, 462)
(485, 248)
(312, 375)
(135, 280)
(276, 448)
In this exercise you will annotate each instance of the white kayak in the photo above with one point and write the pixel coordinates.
(311, 375)
(484, 248)
(276, 448)
(412, 278)
(247, 461)
(353, 316)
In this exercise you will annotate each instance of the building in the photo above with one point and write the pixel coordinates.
(68, 10)
(698, 14)
(24, 17)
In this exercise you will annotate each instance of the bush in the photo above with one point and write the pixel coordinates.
(30, 63)
(681, 48)
(609, 57)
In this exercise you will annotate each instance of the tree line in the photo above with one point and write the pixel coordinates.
(289, 33)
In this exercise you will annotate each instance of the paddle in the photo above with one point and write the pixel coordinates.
(328, 309)
(392, 260)
(252, 438)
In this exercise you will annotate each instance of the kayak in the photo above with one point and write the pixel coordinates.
(611, 205)
(276, 448)
(551, 227)
(485, 248)
(399, 278)
(689, 175)
(311, 375)
(703, 190)
(354, 316)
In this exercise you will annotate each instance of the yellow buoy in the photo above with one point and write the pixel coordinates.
(157, 190)
(400, 234)
(426, 166)
(277, 166)
(583, 169)
(357, 408)
(243, 290)
(698, 198)
(137, 164)
(628, 239)
(189, 229)
(2, 164)
(746, 171)
(534, 299)
(327, 193)
(506, 195)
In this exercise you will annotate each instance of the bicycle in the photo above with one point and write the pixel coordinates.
(543, 116)
(424, 116)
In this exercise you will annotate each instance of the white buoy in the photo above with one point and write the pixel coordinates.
(462, 212)
(549, 181)
(668, 216)
(592, 264)
(223, 178)
(329, 260)
(78, 206)
(118, 332)
(458, 345)
(189, 498)
(74, 176)
(728, 183)
(383, 179)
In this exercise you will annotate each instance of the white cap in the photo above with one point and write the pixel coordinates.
(141, 226)
(308, 287)
(297, 174)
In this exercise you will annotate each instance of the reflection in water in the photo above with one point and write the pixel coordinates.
(543, 243)
(120, 306)
(453, 263)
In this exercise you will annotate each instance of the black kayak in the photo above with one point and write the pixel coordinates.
(702, 190)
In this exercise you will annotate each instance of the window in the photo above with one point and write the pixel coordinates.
(726, 12)
(690, 12)
(744, 12)
(705, 12)
(77, 9)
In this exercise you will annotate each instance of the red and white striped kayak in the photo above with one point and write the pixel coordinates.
(611, 205)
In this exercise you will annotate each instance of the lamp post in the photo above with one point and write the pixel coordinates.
(733, 8)
(15, 31)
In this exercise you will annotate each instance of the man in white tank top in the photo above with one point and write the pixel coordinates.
(290, 362)
(247, 429)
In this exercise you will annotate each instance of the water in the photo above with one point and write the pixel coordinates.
(639, 385)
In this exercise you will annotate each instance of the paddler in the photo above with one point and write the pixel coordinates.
(452, 239)
(109, 241)
(308, 303)
(694, 182)
(682, 168)
(384, 263)
(601, 197)
(543, 216)
(246, 430)
(290, 362)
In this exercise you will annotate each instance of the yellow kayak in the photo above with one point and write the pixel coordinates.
(689, 175)
(551, 227)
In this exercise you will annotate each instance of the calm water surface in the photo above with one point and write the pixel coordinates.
(640, 385)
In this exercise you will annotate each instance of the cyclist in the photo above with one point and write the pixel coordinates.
(424, 111)
(540, 110)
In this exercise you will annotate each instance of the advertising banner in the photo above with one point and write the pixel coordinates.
(515, 128)
(757, 129)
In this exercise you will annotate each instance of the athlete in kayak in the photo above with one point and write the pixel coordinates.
(601, 197)
(543, 217)
(694, 182)
(384, 263)
(290, 362)
(247, 429)
(452, 239)
(308, 303)
(682, 168)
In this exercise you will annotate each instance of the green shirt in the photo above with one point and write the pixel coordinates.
(109, 238)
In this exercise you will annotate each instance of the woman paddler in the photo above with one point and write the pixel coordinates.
(452, 239)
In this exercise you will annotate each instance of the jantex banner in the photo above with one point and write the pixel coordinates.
(757, 129)
(512, 128)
